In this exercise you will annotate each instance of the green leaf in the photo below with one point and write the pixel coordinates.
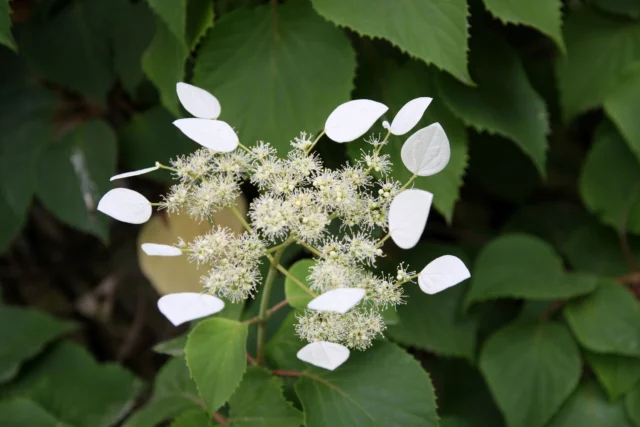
(21, 412)
(11, 224)
(588, 407)
(617, 374)
(174, 392)
(216, 355)
(545, 16)
(522, 266)
(531, 368)
(193, 418)
(433, 31)
(503, 102)
(24, 333)
(553, 222)
(74, 174)
(298, 296)
(199, 19)
(596, 249)
(150, 137)
(173, 347)
(130, 37)
(394, 86)
(73, 48)
(180, 25)
(607, 321)
(258, 401)
(163, 63)
(463, 393)
(383, 386)
(624, 7)
(5, 25)
(598, 47)
(435, 323)
(612, 193)
(26, 126)
(632, 403)
(282, 348)
(621, 105)
(173, 13)
(69, 384)
(276, 72)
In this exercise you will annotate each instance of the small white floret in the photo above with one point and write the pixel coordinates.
(442, 273)
(427, 151)
(323, 354)
(134, 173)
(183, 307)
(214, 134)
(198, 102)
(125, 205)
(337, 300)
(353, 119)
(409, 115)
(155, 249)
(408, 216)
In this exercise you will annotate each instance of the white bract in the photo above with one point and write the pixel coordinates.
(183, 307)
(198, 102)
(125, 205)
(323, 354)
(408, 215)
(214, 134)
(408, 116)
(134, 173)
(442, 273)
(337, 300)
(353, 119)
(427, 151)
(156, 249)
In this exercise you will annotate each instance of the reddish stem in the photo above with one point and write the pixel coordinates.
(287, 373)
(277, 307)
(219, 418)
(251, 359)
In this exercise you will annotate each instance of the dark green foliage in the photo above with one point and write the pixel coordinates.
(541, 199)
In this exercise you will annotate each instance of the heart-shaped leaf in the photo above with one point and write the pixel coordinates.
(409, 115)
(427, 151)
(185, 306)
(408, 215)
(134, 173)
(353, 119)
(198, 102)
(338, 300)
(214, 134)
(125, 205)
(323, 354)
(442, 273)
(155, 249)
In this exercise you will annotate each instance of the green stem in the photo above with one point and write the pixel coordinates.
(244, 147)
(295, 280)
(238, 215)
(408, 182)
(311, 249)
(263, 314)
(313, 144)
(384, 239)
(408, 279)
(169, 168)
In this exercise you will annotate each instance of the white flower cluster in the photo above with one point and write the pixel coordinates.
(299, 200)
